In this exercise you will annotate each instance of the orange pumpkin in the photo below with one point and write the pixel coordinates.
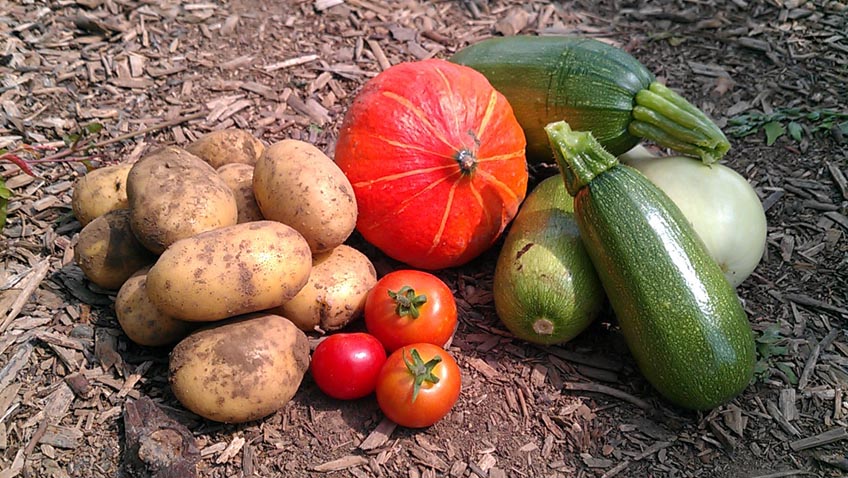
(437, 162)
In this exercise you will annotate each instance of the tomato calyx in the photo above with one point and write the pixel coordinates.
(407, 302)
(421, 371)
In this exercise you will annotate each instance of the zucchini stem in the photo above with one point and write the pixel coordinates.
(579, 155)
(665, 117)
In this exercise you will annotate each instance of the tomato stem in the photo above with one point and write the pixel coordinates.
(407, 303)
(421, 371)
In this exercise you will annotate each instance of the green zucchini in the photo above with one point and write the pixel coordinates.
(595, 87)
(681, 319)
(545, 288)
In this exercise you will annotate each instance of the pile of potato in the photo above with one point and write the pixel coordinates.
(232, 251)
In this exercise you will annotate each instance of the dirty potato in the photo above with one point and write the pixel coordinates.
(227, 146)
(173, 195)
(141, 320)
(240, 369)
(108, 252)
(239, 177)
(335, 293)
(297, 184)
(230, 271)
(100, 191)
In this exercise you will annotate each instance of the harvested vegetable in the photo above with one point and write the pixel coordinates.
(680, 317)
(407, 307)
(230, 271)
(335, 293)
(174, 195)
(108, 252)
(436, 159)
(418, 385)
(295, 183)
(545, 288)
(595, 87)
(141, 320)
(240, 369)
(345, 366)
(720, 204)
(100, 191)
(227, 146)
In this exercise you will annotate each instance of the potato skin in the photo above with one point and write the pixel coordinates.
(335, 294)
(227, 146)
(100, 191)
(108, 252)
(173, 194)
(239, 177)
(240, 369)
(230, 271)
(297, 184)
(141, 320)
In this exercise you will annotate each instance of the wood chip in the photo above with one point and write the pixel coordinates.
(839, 177)
(379, 436)
(786, 402)
(830, 436)
(16, 363)
(784, 424)
(342, 463)
(232, 450)
(814, 357)
(379, 55)
(290, 63)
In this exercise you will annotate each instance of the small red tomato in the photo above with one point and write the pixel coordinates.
(410, 306)
(345, 365)
(418, 385)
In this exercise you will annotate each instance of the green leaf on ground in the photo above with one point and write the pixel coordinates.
(774, 130)
(795, 130)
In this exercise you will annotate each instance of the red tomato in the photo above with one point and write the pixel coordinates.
(409, 306)
(436, 160)
(418, 385)
(346, 365)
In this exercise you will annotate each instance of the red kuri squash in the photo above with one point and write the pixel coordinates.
(437, 162)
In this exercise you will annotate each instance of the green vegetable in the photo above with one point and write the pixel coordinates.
(595, 87)
(546, 290)
(680, 317)
(720, 204)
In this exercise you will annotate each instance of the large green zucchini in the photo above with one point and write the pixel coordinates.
(680, 317)
(595, 87)
(545, 288)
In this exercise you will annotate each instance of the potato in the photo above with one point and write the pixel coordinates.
(230, 271)
(173, 195)
(297, 184)
(227, 146)
(100, 191)
(335, 293)
(239, 177)
(108, 252)
(141, 320)
(241, 369)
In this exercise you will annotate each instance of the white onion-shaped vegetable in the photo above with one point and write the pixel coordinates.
(719, 203)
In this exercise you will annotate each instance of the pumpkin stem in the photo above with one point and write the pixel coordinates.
(466, 160)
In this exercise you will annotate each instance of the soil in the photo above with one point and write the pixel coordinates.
(157, 73)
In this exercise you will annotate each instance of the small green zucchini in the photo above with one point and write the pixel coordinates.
(545, 288)
(681, 319)
(595, 87)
